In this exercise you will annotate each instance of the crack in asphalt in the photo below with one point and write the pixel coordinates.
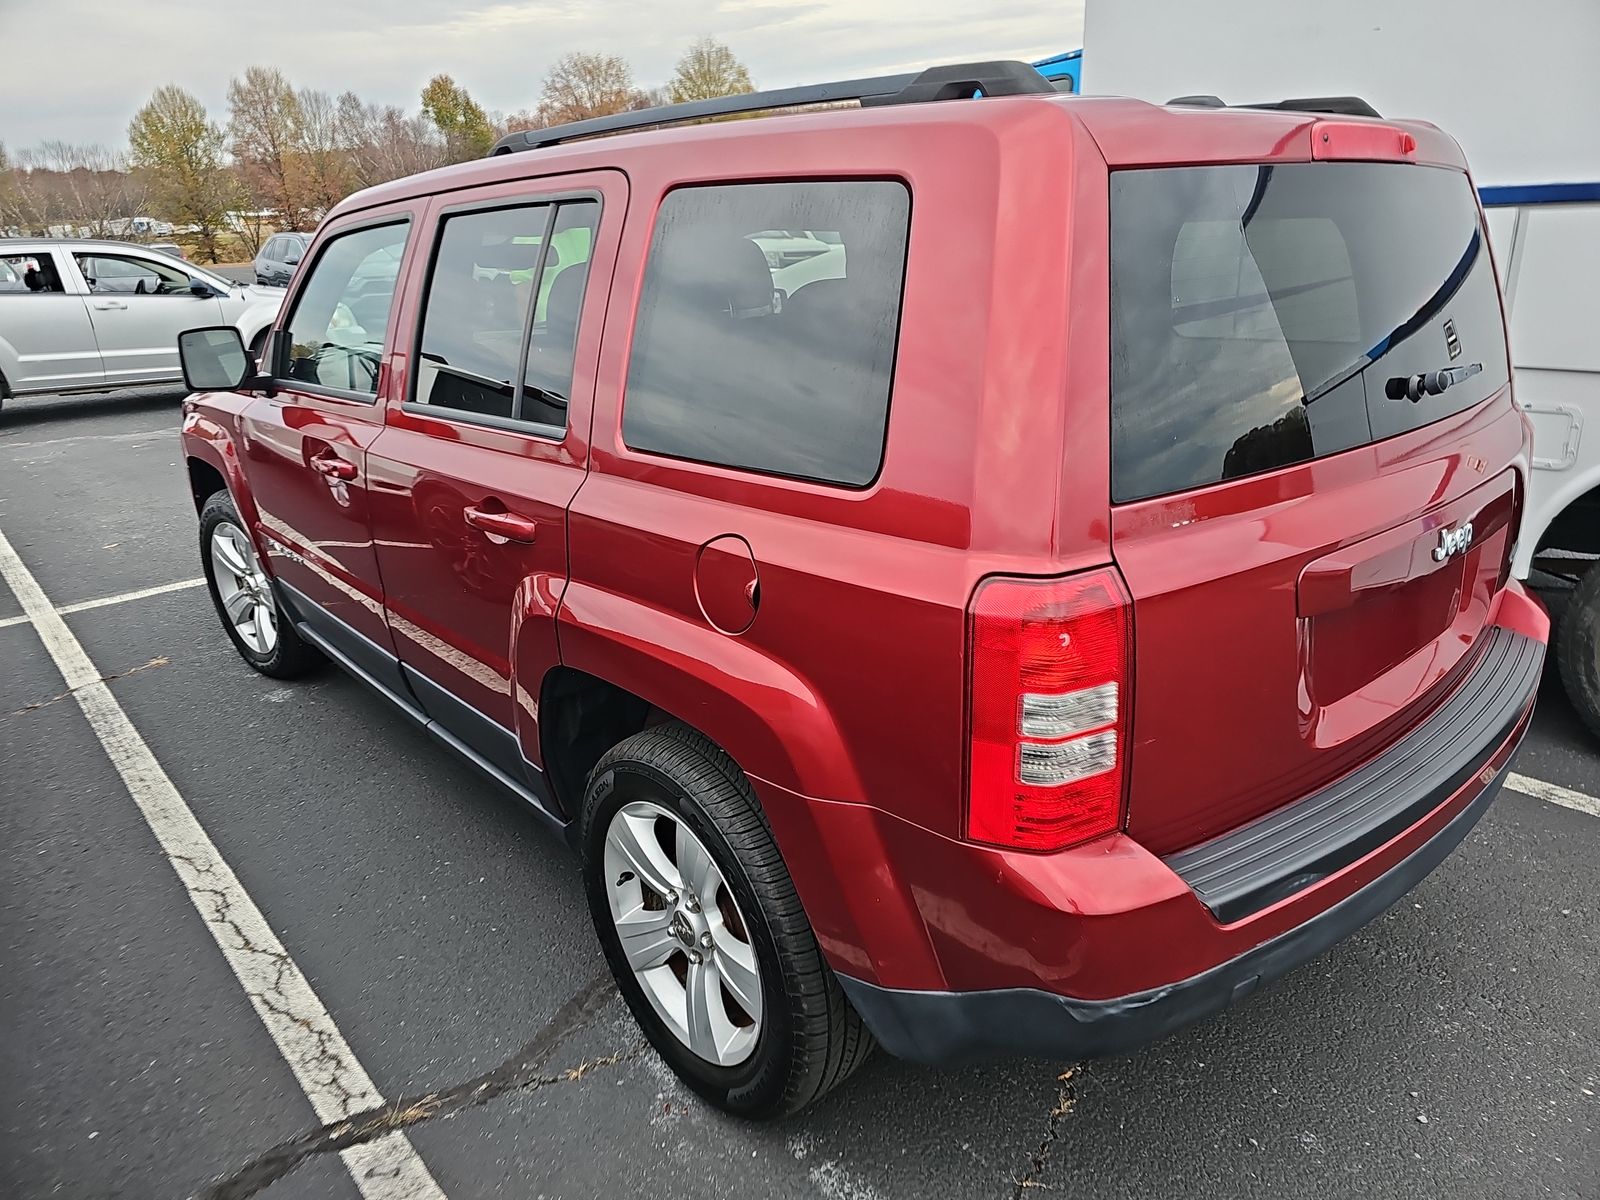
(328, 1064)
(523, 1071)
(1066, 1101)
(158, 661)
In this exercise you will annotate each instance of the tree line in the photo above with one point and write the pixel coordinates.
(282, 156)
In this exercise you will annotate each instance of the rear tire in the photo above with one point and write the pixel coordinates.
(257, 626)
(1578, 649)
(806, 1038)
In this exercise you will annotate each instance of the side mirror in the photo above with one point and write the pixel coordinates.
(202, 289)
(293, 259)
(214, 359)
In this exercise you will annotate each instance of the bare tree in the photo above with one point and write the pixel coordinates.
(78, 189)
(381, 143)
(92, 188)
(324, 166)
(522, 119)
(707, 70)
(263, 129)
(580, 86)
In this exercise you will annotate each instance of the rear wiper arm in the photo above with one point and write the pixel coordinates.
(1428, 383)
(1322, 389)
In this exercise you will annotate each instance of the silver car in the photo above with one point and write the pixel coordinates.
(82, 316)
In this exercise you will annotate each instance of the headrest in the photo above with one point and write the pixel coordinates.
(719, 272)
(565, 301)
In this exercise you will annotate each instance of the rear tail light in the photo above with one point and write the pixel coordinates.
(1049, 664)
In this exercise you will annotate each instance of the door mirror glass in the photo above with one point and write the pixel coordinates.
(214, 360)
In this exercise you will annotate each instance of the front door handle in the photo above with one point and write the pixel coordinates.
(104, 305)
(335, 467)
(509, 525)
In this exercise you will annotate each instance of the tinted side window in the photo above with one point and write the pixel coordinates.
(473, 317)
(547, 381)
(766, 332)
(270, 250)
(335, 334)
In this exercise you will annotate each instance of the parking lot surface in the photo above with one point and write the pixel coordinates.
(1450, 1049)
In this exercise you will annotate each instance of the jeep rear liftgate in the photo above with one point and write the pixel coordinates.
(1312, 439)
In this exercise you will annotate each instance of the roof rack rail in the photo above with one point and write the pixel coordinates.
(956, 81)
(1344, 106)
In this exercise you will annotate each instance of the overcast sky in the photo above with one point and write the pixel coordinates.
(78, 69)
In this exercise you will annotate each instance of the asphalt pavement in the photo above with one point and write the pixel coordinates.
(1450, 1049)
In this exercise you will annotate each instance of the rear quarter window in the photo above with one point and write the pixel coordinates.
(766, 331)
(1259, 314)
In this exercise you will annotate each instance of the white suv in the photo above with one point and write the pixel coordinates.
(83, 316)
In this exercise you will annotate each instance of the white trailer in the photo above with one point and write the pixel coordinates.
(1519, 87)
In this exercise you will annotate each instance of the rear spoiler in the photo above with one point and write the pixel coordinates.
(1344, 106)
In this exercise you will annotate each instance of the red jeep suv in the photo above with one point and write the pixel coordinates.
(978, 571)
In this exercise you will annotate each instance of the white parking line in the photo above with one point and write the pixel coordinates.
(1554, 793)
(330, 1075)
(120, 598)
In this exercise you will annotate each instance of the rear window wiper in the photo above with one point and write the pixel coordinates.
(1322, 389)
(1428, 383)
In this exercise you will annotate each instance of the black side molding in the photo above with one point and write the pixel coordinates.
(1248, 868)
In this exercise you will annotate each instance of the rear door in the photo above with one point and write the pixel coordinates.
(1312, 457)
(46, 339)
(485, 447)
(139, 306)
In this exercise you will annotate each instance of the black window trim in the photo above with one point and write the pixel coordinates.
(544, 431)
(280, 327)
(739, 473)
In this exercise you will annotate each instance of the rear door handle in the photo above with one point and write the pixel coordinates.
(104, 305)
(509, 525)
(334, 467)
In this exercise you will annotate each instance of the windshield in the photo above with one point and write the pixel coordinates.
(1261, 314)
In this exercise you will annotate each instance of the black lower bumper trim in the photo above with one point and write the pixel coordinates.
(953, 1027)
(1246, 869)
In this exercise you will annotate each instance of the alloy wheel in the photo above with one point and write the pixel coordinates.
(682, 933)
(243, 588)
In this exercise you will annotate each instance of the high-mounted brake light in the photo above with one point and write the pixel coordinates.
(1049, 664)
(1332, 140)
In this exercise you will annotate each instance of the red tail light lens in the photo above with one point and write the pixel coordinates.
(1049, 666)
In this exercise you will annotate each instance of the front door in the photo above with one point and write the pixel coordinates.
(46, 340)
(484, 450)
(307, 443)
(139, 307)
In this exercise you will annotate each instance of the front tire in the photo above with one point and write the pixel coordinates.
(241, 591)
(721, 969)
(1578, 649)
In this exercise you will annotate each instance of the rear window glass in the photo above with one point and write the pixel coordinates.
(1263, 315)
(766, 332)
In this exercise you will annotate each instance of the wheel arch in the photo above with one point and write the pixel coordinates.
(211, 462)
(762, 712)
(10, 366)
(583, 715)
(1575, 525)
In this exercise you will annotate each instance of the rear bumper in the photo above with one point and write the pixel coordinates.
(1392, 833)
